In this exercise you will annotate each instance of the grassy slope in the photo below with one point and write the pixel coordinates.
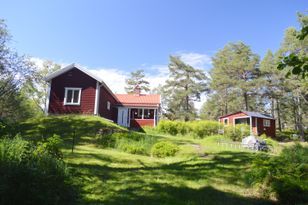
(108, 176)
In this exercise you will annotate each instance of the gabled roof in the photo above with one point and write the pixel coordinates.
(138, 100)
(257, 114)
(70, 67)
(250, 114)
(73, 65)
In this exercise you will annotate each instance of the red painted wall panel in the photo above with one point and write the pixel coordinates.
(138, 123)
(269, 131)
(72, 78)
(105, 96)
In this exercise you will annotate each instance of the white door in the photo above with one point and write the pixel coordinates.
(122, 116)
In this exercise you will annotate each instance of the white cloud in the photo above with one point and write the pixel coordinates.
(196, 60)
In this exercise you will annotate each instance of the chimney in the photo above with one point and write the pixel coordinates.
(137, 91)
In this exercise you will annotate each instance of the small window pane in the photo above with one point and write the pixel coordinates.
(108, 105)
(148, 114)
(69, 96)
(136, 114)
(76, 96)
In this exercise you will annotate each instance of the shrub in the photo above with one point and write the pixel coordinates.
(237, 132)
(164, 149)
(29, 178)
(51, 146)
(196, 128)
(202, 129)
(105, 140)
(131, 142)
(284, 175)
(168, 126)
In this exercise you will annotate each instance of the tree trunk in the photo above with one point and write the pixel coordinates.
(273, 107)
(246, 101)
(226, 102)
(278, 114)
(186, 118)
(294, 113)
(300, 120)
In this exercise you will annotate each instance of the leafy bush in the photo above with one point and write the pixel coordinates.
(29, 178)
(168, 126)
(164, 149)
(284, 176)
(50, 146)
(237, 132)
(131, 142)
(196, 128)
(202, 129)
(105, 140)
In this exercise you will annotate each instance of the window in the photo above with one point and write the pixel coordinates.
(72, 96)
(136, 114)
(148, 114)
(108, 105)
(266, 123)
(226, 121)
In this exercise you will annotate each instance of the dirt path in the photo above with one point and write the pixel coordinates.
(199, 149)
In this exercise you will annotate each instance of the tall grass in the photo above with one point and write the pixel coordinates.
(31, 177)
(131, 142)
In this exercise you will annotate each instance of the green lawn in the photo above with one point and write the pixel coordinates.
(201, 173)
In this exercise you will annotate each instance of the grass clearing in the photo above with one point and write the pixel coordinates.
(202, 172)
(109, 176)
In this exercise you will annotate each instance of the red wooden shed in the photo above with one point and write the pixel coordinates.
(259, 123)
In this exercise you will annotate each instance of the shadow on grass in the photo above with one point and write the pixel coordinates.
(166, 194)
(166, 183)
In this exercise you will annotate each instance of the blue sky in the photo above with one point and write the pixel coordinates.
(139, 34)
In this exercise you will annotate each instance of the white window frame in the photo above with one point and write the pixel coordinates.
(108, 105)
(266, 123)
(65, 96)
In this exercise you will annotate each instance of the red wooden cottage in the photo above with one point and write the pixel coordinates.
(75, 90)
(259, 123)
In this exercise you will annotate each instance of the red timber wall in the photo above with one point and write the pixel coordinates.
(72, 78)
(231, 117)
(257, 124)
(105, 96)
(138, 123)
(269, 131)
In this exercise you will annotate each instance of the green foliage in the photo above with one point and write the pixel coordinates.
(284, 175)
(13, 105)
(51, 146)
(30, 178)
(196, 128)
(237, 132)
(136, 80)
(234, 74)
(130, 142)
(164, 149)
(173, 127)
(185, 85)
(202, 129)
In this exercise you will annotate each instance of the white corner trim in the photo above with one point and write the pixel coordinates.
(96, 103)
(65, 95)
(47, 98)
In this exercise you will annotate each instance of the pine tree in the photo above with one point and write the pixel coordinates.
(184, 86)
(235, 69)
(136, 79)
